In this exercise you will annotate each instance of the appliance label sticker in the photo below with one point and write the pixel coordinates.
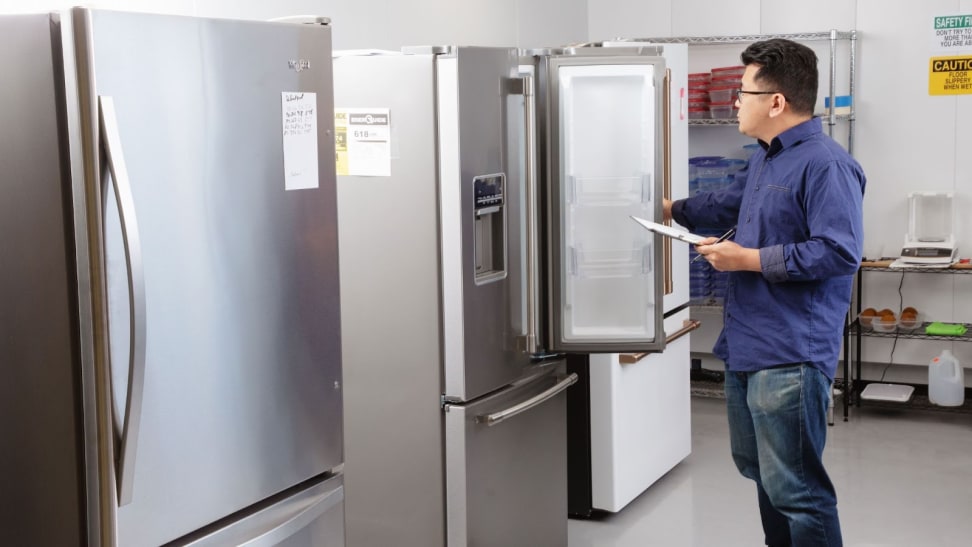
(299, 139)
(362, 139)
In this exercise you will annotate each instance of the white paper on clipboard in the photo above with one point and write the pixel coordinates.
(668, 231)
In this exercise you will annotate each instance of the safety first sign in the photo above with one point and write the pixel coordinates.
(951, 74)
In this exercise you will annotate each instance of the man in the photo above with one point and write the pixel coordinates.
(797, 209)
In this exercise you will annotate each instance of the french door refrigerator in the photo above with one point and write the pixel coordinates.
(629, 416)
(170, 282)
(484, 203)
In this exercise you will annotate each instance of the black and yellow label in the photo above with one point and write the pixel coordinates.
(950, 75)
(341, 142)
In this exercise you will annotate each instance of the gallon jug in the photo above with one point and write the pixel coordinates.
(946, 380)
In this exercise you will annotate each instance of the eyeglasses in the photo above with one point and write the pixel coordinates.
(740, 92)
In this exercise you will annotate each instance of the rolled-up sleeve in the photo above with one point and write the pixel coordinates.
(773, 263)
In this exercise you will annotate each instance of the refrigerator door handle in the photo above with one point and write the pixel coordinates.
(687, 326)
(536, 400)
(136, 291)
(667, 173)
(528, 342)
(302, 20)
(533, 243)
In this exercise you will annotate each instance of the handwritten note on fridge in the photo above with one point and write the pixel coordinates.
(299, 139)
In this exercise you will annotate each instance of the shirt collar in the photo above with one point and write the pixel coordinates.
(793, 136)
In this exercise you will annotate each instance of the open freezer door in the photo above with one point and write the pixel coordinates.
(606, 121)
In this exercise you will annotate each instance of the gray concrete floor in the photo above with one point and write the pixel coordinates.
(903, 478)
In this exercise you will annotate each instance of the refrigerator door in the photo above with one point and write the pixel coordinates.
(390, 311)
(506, 465)
(44, 479)
(605, 162)
(220, 252)
(675, 254)
(478, 216)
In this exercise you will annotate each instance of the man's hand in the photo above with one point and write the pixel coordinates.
(666, 209)
(729, 256)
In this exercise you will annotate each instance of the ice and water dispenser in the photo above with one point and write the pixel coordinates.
(490, 241)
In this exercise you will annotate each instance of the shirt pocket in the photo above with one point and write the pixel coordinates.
(784, 215)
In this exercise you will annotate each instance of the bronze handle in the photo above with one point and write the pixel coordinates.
(687, 326)
(667, 173)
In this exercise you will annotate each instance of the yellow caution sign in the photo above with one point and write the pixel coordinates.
(950, 75)
(341, 142)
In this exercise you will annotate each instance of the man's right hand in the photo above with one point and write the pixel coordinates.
(666, 209)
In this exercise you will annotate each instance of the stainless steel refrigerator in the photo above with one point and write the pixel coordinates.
(170, 298)
(484, 203)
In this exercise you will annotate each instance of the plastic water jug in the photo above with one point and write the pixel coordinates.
(946, 380)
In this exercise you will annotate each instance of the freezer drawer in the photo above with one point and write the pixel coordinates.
(506, 483)
(640, 419)
(309, 516)
(629, 421)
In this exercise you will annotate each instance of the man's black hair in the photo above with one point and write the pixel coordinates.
(787, 67)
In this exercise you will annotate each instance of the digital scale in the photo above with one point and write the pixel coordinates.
(930, 241)
(930, 252)
(893, 393)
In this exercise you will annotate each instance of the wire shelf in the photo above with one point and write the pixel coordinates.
(917, 270)
(735, 121)
(740, 39)
(917, 334)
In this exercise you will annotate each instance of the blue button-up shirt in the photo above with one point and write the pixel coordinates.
(799, 201)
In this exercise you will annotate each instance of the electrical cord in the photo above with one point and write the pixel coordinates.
(895, 343)
(891, 360)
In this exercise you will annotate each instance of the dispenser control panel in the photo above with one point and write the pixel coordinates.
(489, 242)
(489, 191)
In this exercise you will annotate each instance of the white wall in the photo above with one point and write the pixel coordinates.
(911, 141)
(386, 24)
(905, 139)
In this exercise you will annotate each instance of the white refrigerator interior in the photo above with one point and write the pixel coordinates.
(604, 163)
(608, 125)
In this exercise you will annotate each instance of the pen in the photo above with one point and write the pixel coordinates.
(722, 238)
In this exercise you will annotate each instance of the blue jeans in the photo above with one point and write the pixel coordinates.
(777, 429)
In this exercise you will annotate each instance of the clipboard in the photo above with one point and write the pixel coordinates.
(669, 231)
